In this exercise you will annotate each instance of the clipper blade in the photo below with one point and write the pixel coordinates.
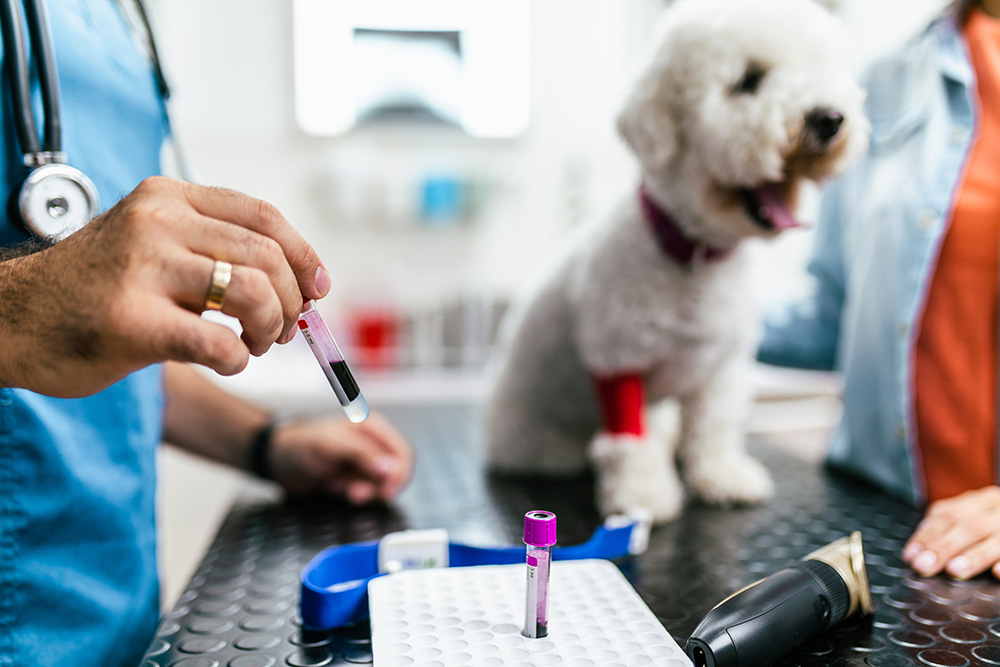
(847, 557)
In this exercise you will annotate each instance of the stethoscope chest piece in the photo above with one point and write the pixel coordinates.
(57, 200)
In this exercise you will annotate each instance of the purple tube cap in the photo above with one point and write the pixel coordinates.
(539, 528)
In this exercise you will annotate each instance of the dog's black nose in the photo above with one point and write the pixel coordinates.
(824, 123)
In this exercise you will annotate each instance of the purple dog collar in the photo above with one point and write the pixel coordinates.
(671, 239)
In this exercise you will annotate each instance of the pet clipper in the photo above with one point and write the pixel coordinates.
(768, 618)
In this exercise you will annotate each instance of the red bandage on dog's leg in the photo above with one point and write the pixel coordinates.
(620, 398)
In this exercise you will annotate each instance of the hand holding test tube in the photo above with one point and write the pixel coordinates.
(539, 536)
(332, 362)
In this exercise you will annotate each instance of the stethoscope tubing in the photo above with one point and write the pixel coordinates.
(18, 71)
(55, 199)
(154, 54)
(16, 56)
(48, 79)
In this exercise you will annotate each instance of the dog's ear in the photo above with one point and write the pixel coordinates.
(648, 127)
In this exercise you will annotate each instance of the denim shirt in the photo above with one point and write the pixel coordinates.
(878, 235)
(78, 581)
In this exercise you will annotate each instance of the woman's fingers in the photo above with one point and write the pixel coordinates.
(975, 560)
(959, 535)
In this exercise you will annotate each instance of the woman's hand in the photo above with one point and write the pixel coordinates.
(959, 535)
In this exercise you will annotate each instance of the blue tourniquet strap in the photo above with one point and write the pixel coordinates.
(335, 582)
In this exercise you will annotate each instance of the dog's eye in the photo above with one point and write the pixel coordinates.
(750, 81)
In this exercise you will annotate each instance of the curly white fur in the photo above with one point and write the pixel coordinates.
(704, 134)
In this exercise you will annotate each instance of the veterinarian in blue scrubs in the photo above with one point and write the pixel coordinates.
(907, 286)
(83, 325)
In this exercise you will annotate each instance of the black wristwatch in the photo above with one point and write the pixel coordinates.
(260, 448)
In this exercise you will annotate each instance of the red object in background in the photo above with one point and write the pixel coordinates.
(375, 333)
(622, 402)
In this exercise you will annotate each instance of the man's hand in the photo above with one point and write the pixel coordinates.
(361, 462)
(960, 535)
(128, 289)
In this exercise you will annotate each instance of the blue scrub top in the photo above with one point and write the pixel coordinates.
(78, 580)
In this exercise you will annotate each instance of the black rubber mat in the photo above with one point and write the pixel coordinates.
(240, 608)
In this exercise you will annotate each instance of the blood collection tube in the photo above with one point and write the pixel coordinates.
(539, 536)
(332, 362)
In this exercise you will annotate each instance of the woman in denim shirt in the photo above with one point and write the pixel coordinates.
(894, 248)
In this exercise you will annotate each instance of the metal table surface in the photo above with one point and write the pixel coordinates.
(240, 608)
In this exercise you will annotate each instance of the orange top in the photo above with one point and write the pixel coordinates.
(956, 354)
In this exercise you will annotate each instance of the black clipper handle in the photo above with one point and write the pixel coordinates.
(762, 622)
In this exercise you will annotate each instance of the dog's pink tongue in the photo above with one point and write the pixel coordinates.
(772, 196)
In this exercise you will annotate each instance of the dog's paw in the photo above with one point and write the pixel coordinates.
(735, 480)
(634, 473)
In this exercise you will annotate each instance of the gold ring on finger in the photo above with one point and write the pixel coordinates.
(222, 273)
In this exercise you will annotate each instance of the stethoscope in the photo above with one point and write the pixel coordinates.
(56, 199)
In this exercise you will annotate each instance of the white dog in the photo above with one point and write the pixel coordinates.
(740, 102)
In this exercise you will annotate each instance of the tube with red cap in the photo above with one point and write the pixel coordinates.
(325, 349)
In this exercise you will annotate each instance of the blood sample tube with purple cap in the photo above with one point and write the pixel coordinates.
(539, 536)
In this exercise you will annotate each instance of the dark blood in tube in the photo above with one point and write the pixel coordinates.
(343, 374)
